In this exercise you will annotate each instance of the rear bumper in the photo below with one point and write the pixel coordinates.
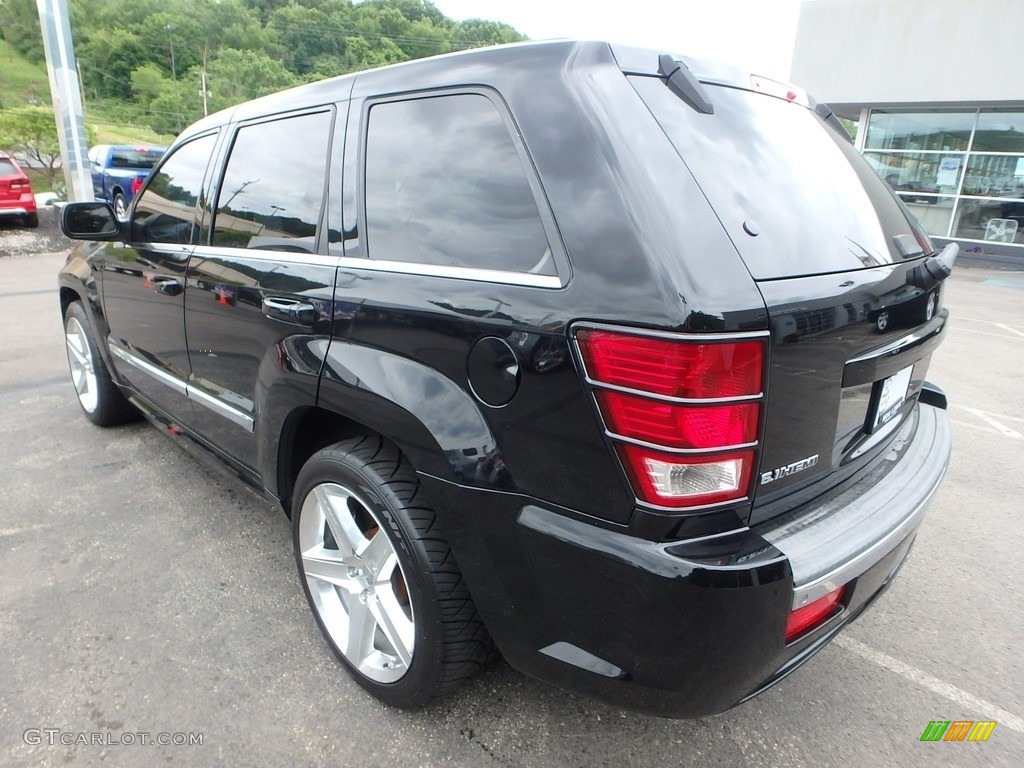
(18, 207)
(686, 628)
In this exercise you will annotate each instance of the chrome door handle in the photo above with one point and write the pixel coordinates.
(289, 310)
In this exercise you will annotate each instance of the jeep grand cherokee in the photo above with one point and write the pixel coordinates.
(614, 359)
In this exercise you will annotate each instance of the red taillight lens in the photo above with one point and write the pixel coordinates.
(814, 614)
(673, 368)
(672, 480)
(679, 426)
(691, 458)
(20, 184)
(136, 184)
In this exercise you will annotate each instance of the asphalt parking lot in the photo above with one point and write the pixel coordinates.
(141, 592)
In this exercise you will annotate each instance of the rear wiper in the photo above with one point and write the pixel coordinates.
(830, 117)
(682, 82)
(941, 264)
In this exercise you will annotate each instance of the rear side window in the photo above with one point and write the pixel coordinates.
(273, 186)
(166, 211)
(135, 158)
(445, 185)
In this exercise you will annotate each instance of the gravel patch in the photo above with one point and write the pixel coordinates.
(17, 240)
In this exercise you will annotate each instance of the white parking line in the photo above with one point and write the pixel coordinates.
(979, 427)
(956, 328)
(966, 700)
(1000, 427)
(14, 531)
(1004, 326)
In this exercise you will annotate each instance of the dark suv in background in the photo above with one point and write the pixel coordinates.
(613, 359)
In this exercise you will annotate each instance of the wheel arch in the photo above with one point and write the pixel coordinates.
(429, 418)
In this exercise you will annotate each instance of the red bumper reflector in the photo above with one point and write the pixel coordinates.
(814, 614)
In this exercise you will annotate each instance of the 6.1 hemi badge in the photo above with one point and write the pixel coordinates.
(789, 469)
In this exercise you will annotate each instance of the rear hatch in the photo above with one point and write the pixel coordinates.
(854, 311)
(9, 173)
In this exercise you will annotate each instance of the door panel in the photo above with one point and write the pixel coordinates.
(260, 287)
(144, 282)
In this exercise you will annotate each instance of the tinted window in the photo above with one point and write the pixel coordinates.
(7, 168)
(165, 213)
(273, 186)
(135, 158)
(819, 206)
(445, 185)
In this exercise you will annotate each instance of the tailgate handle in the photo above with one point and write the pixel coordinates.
(888, 359)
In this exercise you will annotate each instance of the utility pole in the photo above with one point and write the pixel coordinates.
(67, 98)
(204, 93)
(169, 29)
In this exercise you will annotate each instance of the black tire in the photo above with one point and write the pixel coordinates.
(32, 220)
(109, 406)
(451, 642)
(120, 206)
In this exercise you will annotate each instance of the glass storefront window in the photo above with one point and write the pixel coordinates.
(933, 212)
(926, 172)
(997, 221)
(995, 176)
(942, 130)
(960, 172)
(999, 131)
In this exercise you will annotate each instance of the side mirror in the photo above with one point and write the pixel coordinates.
(90, 221)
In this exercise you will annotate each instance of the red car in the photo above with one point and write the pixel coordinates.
(16, 198)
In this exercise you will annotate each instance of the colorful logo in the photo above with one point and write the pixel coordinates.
(958, 730)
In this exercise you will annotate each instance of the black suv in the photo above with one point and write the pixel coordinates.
(610, 359)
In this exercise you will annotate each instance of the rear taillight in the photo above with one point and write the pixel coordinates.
(136, 184)
(813, 615)
(20, 184)
(684, 412)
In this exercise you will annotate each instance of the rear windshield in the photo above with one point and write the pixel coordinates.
(816, 203)
(7, 168)
(135, 158)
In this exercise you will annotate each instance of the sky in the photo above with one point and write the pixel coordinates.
(755, 34)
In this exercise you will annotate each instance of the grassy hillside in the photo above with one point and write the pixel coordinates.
(22, 82)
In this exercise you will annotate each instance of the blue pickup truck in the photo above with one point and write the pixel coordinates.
(118, 172)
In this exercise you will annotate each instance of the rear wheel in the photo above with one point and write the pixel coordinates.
(101, 400)
(120, 207)
(32, 220)
(380, 576)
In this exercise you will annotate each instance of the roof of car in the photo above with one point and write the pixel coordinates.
(632, 60)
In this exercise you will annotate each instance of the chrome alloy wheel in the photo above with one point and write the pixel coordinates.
(83, 371)
(356, 582)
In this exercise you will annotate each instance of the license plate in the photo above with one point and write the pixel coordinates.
(891, 396)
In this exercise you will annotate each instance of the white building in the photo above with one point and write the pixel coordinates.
(937, 87)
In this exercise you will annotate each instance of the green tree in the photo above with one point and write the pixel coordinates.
(472, 33)
(32, 131)
(19, 24)
(236, 76)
